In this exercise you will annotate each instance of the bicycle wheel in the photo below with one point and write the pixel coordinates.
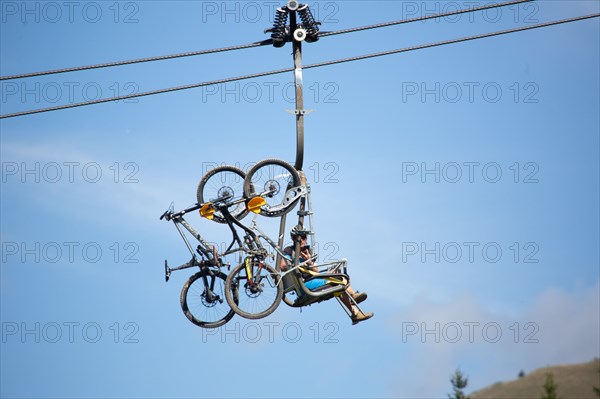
(220, 182)
(206, 306)
(258, 296)
(276, 176)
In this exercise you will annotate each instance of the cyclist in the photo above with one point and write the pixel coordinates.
(357, 314)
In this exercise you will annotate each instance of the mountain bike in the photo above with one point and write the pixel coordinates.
(202, 297)
(203, 294)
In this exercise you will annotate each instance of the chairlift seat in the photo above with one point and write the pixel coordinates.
(304, 296)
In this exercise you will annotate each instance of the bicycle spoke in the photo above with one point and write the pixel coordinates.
(274, 177)
(223, 182)
(203, 305)
(257, 297)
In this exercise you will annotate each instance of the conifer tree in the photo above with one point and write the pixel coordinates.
(597, 389)
(549, 387)
(459, 382)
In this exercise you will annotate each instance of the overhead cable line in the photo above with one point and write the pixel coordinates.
(424, 18)
(258, 44)
(463, 39)
(316, 65)
(139, 60)
(148, 93)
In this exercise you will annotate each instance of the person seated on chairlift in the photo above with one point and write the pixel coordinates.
(357, 314)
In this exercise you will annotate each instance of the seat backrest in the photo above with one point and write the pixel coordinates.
(290, 283)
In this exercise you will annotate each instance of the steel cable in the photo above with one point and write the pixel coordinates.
(316, 65)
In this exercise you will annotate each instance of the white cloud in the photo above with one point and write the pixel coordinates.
(137, 197)
(569, 325)
(437, 337)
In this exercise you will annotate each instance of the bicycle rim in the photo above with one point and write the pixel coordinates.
(258, 296)
(206, 306)
(274, 176)
(219, 182)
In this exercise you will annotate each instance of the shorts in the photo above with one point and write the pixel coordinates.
(315, 283)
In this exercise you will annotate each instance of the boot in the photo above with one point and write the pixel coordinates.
(361, 316)
(359, 297)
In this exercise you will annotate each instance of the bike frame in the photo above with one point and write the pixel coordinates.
(204, 248)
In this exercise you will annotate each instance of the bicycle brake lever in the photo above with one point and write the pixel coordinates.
(167, 215)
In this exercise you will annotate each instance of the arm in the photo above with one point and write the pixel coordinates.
(283, 265)
(307, 255)
(287, 253)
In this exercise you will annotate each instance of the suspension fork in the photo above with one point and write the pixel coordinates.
(254, 239)
(208, 287)
(248, 265)
(253, 278)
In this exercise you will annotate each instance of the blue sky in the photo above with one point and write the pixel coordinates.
(460, 182)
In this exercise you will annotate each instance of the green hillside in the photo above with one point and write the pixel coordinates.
(574, 382)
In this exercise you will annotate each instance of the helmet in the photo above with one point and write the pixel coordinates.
(297, 231)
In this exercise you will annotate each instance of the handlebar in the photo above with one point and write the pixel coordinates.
(169, 214)
(219, 203)
(166, 214)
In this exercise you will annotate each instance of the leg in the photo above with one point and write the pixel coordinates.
(358, 297)
(357, 315)
(345, 298)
